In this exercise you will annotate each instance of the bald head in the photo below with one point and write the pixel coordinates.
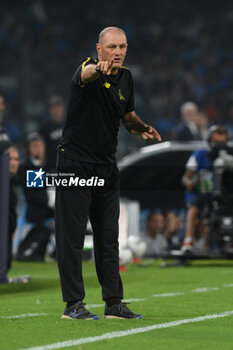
(110, 30)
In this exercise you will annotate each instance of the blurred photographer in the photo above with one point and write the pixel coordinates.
(198, 181)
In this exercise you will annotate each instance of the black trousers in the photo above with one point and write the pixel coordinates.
(73, 206)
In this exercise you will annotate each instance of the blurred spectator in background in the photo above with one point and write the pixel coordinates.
(8, 123)
(39, 213)
(172, 229)
(4, 137)
(13, 196)
(229, 124)
(2, 109)
(188, 129)
(154, 236)
(198, 182)
(178, 53)
(51, 131)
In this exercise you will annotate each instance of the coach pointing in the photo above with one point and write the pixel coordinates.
(101, 95)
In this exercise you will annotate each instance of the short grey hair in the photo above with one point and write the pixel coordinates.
(187, 105)
(105, 30)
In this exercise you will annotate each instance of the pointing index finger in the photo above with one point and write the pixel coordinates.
(111, 63)
(159, 138)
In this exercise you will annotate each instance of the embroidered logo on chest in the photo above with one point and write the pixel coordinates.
(107, 85)
(120, 95)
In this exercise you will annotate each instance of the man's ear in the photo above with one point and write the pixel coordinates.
(98, 47)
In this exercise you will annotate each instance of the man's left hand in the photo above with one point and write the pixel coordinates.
(150, 134)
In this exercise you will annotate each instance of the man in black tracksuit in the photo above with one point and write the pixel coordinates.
(51, 130)
(101, 96)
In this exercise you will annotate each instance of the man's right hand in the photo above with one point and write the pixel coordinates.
(90, 72)
(104, 67)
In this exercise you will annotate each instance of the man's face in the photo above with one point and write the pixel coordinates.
(57, 112)
(191, 114)
(156, 223)
(219, 139)
(14, 160)
(37, 149)
(113, 46)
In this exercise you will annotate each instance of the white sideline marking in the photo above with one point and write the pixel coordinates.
(168, 294)
(204, 290)
(111, 335)
(24, 315)
(135, 299)
(226, 272)
(197, 290)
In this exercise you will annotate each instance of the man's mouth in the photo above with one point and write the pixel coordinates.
(116, 60)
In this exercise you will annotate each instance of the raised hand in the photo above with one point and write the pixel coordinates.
(105, 67)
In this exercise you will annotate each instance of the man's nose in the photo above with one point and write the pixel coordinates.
(117, 51)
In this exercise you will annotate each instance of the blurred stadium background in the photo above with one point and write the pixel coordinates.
(178, 51)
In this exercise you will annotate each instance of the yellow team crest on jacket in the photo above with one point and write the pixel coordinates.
(107, 85)
(120, 95)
